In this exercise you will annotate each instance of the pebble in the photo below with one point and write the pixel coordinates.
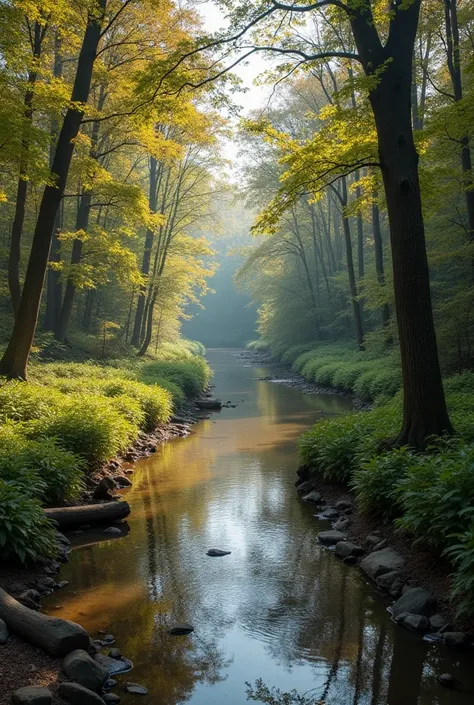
(135, 689)
(112, 531)
(115, 653)
(3, 633)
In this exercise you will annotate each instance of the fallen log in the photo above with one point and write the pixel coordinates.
(56, 636)
(88, 514)
(208, 403)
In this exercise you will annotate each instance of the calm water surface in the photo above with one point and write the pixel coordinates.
(280, 607)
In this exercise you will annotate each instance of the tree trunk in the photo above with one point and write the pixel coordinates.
(378, 247)
(22, 188)
(149, 325)
(350, 270)
(424, 408)
(66, 517)
(15, 357)
(150, 235)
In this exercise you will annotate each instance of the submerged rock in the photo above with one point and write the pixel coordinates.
(181, 630)
(32, 695)
(216, 552)
(112, 531)
(135, 689)
(454, 639)
(391, 582)
(347, 548)
(115, 653)
(415, 601)
(331, 538)
(112, 665)
(439, 623)
(313, 497)
(329, 513)
(305, 487)
(342, 524)
(415, 622)
(446, 679)
(381, 562)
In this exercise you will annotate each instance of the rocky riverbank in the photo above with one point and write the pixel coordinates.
(283, 374)
(418, 580)
(39, 678)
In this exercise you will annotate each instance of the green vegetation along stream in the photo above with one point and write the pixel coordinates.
(280, 607)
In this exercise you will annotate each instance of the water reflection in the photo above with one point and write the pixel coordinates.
(279, 607)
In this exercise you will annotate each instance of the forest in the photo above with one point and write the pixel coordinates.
(150, 204)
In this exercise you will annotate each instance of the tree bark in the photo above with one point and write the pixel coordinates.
(15, 358)
(424, 408)
(378, 247)
(350, 270)
(22, 188)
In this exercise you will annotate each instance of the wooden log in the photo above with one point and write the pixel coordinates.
(56, 636)
(208, 403)
(88, 514)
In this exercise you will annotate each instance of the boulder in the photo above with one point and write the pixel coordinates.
(350, 560)
(415, 622)
(454, 639)
(343, 504)
(330, 513)
(111, 698)
(103, 489)
(391, 582)
(439, 623)
(80, 667)
(331, 538)
(381, 544)
(341, 524)
(78, 695)
(380, 562)
(135, 689)
(112, 665)
(123, 481)
(32, 695)
(347, 548)
(415, 601)
(305, 487)
(4, 634)
(314, 497)
(372, 540)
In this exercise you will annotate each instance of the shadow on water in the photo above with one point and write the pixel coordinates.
(280, 607)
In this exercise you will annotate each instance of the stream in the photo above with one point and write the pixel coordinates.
(280, 607)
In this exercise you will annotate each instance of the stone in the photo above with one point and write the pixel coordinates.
(331, 538)
(111, 698)
(415, 622)
(381, 544)
(123, 481)
(181, 629)
(16, 588)
(115, 653)
(103, 489)
(80, 667)
(305, 487)
(112, 665)
(341, 524)
(372, 540)
(391, 582)
(350, 560)
(30, 594)
(111, 683)
(313, 497)
(112, 531)
(439, 623)
(28, 603)
(3, 633)
(78, 695)
(32, 695)
(347, 548)
(415, 601)
(454, 639)
(343, 504)
(62, 584)
(135, 689)
(216, 552)
(62, 539)
(330, 513)
(380, 562)
(108, 638)
(446, 679)
(45, 587)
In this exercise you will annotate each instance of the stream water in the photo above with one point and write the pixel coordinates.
(280, 607)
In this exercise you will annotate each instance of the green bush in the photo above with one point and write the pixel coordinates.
(461, 555)
(258, 345)
(191, 375)
(154, 401)
(25, 532)
(42, 469)
(23, 401)
(435, 493)
(89, 426)
(375, 482)
(330, 448)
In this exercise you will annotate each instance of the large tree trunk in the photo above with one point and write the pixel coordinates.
(66, 517)
(22, 188)
(424, 408)
(15, 357)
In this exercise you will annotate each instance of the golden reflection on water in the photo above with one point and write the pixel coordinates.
(280, 607)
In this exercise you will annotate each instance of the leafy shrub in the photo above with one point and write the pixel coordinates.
(25, 532)
(258, 345)
(23, 401)
(191, 375)
(330, 448)
(461, 555)
(42, 469)
(376, 480)
(154, 401)
(435, 493)
(89, 426)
